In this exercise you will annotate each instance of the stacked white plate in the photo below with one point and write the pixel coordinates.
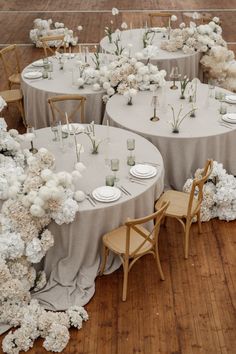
(73, 127)
(38, 63)
(143, 171)
(229, 117)
(106, 194)
(33, 74)
(230, 98)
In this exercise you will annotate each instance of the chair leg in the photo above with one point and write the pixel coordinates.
(21, 109)
(158, 263)
(125, 279)
(187, 230)
(105, 252)
(199, 223)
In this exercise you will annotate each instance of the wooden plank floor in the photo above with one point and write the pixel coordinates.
(193, 310)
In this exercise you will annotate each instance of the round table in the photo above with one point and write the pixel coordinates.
(73, 262)
(188, 64)
(37, 91)
(199, 138)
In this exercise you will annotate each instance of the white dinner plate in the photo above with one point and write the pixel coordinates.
(143, 176)
(229, 117)
(73, 127)
(38, 63)
(106, 194)
(143, 171)
(33, 75)
(230, 98)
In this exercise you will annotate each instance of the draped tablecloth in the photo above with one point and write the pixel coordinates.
(73, 262)
(188, 64)
(37, 91)
(199, 138)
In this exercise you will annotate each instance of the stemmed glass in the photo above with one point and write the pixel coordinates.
(154, 104)
(54, 129)
(174, 75)
(115, 167)
(130, 146)
(30, 130)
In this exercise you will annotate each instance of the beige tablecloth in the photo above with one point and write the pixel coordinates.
(188, 64)
(73, 262)
(199, 138)
(37, 91)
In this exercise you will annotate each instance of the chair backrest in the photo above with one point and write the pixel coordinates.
(197, 187)
(10, 60)
(150, 237)
(154, 15)
(55, 101)
(58, 41)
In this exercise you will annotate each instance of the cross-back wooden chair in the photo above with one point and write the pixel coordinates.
(184, 207)
(132, 241)
(11, 65)
(59, 41)
(154, 15)
(55, 101)
(14, 96)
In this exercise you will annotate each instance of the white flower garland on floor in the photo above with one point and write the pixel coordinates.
(33, 195)
(219, 194)
(43, 28)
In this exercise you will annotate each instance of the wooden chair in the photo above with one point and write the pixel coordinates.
(132, 241)
(56, 100)
(11, 65)
(14, 96)
(184, 207)
(60, 42)
(154, 15)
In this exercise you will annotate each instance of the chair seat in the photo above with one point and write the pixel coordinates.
(178, 203)
(115, 240)
(15, 78)
(11, 95)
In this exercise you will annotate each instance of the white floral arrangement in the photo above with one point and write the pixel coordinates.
(47, 28)
(32, 196)
(219, 194)
(219, 63)
(127, 73)
(195, 38)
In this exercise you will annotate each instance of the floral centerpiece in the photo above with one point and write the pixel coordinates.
(47, 28)
(32, 195)
(126, 73)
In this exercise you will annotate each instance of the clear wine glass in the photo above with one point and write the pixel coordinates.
(174, 75)
(54, 129)
(30, 130)
(115, 167)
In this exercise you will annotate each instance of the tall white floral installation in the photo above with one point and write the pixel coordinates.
(219, 194)
(48, 28)
(33, 195)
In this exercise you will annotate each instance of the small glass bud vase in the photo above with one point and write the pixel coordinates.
(175, 130)
(192, 114)
(190, 99)
(182, 96)
(130, 101)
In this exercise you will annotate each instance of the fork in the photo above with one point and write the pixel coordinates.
(226, 125)
(133, 180)
(90, 201)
